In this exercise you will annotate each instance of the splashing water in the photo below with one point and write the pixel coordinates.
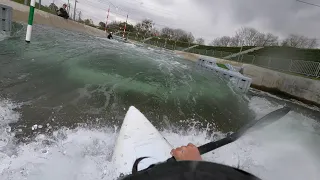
(276, 152)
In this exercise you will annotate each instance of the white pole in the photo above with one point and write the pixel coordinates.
(105, 28)
(240, 51)
(30, 21)
(318, 71)
(74, 12)
(125, 26)
(68, 8)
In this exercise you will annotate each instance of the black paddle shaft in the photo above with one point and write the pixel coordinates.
(264, 121)
(215, 145)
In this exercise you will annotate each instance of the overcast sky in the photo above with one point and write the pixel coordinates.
(211, 18)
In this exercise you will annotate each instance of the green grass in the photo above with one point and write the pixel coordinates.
(222, 66)
(289, 53)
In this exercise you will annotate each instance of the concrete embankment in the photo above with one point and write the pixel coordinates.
(21, 13)
(303, 89)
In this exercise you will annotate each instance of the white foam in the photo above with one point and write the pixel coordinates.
(151, 49)
(7, 115)
(262, 106)
(3, 35)
(262, 93)
(130, 45)
(70, 154)
(287, 149)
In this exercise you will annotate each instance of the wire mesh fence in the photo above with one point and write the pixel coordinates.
(306, 68)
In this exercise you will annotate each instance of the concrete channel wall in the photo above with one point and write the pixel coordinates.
(304, 89)
(21, 14)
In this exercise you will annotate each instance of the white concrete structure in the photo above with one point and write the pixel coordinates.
(5, 18)
(241, 82)
(300, 87)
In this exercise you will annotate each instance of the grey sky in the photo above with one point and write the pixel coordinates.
(212, 18)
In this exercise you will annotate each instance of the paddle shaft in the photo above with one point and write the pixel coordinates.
(264, 121)
(215, 144)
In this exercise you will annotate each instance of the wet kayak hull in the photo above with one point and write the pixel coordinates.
(138, 138)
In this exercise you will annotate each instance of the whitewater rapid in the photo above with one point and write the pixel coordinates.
(285, 150)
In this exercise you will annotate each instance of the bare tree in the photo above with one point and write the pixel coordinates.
(298, 41)
(145, 26)
(53, 7)
(235, 41)
(248, 36)
(177, 35)
(102, 25)
(167, 32)
(186, 37)
(222, 41)
(267, 40)
(200, 41)
(313, 43)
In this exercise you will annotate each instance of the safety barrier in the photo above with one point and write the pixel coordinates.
(5, 18)
(238, 80)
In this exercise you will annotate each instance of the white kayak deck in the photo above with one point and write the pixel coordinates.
(138, 138)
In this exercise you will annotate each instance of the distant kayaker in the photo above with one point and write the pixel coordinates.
(110, 36)
(62, 12)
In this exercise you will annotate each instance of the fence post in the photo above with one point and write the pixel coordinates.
(269, 62)
(206, 52)
(221, 54)
(318, 71)
(253, 59)
(290, 65)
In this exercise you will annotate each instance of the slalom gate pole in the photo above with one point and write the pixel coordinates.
(30, 21)
(125, 26)
(105, 29)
